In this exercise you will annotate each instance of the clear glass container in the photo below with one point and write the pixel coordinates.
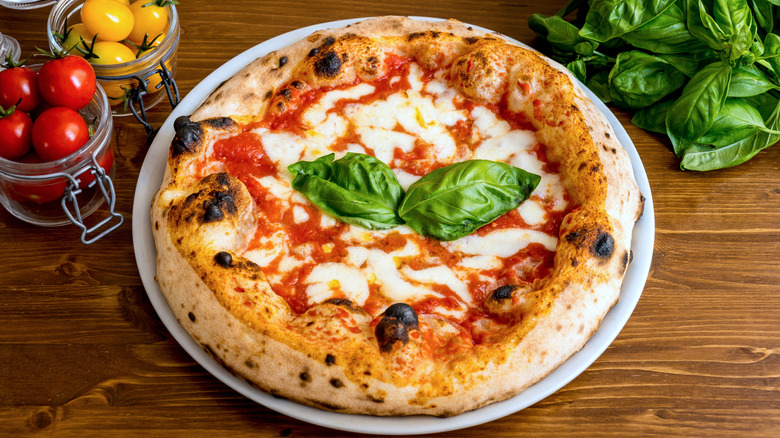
(67, 190)
(25, 4)
(9, 46)
(150, 76)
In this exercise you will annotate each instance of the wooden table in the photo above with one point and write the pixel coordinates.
(83, 352)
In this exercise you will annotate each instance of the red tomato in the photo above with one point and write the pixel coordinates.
(39, 192)
(68, 82)
(19, 86)
(58, 132)
(105, 161)
(15, 135)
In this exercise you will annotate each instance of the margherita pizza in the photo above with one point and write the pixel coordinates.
(397, 217)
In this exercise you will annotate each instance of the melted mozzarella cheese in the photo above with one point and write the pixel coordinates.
(326, 277)
(501, 243)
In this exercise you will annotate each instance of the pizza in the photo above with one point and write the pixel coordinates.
(396, 217)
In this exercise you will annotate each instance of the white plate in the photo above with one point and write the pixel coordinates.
(151, 176)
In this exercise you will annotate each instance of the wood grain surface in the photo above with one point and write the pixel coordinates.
(83, 353)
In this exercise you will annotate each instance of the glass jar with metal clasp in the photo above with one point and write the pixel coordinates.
(67, 190)
(134, 86)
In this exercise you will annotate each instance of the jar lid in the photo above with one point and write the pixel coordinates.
(9, 46)
(26, 4)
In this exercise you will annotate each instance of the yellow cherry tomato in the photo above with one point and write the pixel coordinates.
(110, 20)
(116, 90)
(74, 35)
(124, 2)
(111, 52)
(150, 19)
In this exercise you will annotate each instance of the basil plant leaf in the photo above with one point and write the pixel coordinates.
(667, 33)
(358, 189)
(561, 34)
(695, 110)
(454, 201)
(736, 121)
(749, 81)
(638, 79)
(607, 19)
(771, 55)
(653, 117)
(703, 159)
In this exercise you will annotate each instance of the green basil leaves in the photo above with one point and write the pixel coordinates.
(448, 203)
(453, 201)
(358, 189)
(676, 62)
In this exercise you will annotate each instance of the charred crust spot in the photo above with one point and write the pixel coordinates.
(220, 122)
(280, 106)
(626, 260)
(224, 259)
(268, 94)
(213, 212)
(575, 262)
(504, 292)
(328, 41)
(156, 225)
(594, 169)
(582, 166)
(304, 375)
(249, 364)
(328, 65)
(282, 61)
(606, 134)
(191, 316)
(397, 320)
(314, 52)
(296, 84)
(571, 237)
(336, 383)
(286, 93)
(330, 359)
(415, 35)
(471, 40)
(346, 303)
(188, 135)
(603, 246)
(630, 255)
(376, 399)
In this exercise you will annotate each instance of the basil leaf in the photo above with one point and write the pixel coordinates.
(771, 55)
(358, 189)
(562, 34)
(763, 13)
(608, 19)
(454, 201)
(639, 79)
(653, 118)
(579, 69)
(702, 158)
(694, 111)
(690, 63)
(749, 81)
(736, 121)
(598, 83)
(666, 33)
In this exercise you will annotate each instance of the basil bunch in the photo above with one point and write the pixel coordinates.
(448, 203)
(704, 72)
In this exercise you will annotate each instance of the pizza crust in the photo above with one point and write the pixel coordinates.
(224, 302)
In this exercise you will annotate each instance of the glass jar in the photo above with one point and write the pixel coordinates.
(67, 190)
(9, 46)
(146, 76)
(25, 4)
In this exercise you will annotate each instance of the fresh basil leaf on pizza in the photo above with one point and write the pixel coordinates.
(300, 279)
(454, 201)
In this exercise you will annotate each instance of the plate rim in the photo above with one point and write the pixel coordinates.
(150, 177)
